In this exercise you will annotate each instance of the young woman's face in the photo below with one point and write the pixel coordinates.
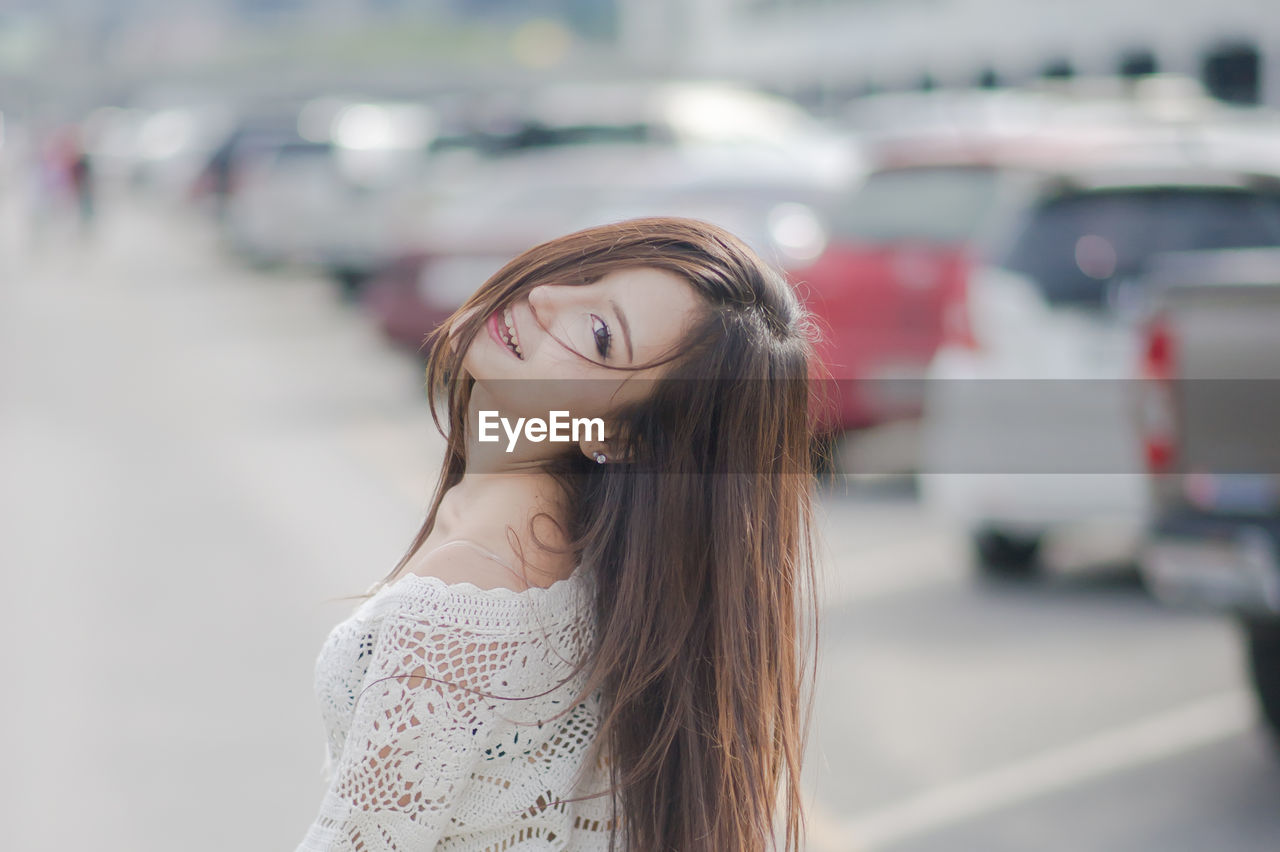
(552, 349)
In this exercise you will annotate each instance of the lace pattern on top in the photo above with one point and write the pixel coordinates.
(446, 708)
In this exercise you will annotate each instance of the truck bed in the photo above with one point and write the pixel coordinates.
(1216, 528)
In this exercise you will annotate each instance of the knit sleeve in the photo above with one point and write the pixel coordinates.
(424, 716)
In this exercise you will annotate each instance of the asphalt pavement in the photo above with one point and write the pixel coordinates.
(198, 460)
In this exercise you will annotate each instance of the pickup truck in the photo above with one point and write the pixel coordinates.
(1210, 418)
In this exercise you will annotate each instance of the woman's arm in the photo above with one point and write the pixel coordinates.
(421, 724)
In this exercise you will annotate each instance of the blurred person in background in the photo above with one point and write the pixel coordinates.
(61, 185)
(47, 184)
(81, 178)
(598, 643)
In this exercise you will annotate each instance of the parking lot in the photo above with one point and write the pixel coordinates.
(200, 458)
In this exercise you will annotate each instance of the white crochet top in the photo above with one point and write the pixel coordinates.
(430, 748)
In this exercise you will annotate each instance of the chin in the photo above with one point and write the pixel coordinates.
(485, 366)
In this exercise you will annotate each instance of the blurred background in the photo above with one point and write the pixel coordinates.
(1042, 243)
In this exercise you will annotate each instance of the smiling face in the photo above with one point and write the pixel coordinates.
(556, 346)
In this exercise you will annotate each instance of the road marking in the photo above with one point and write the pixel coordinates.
(1155, 738)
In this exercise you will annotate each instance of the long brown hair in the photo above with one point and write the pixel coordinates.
(702, 541)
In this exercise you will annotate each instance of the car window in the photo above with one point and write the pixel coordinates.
(535, 135)
(935, 204)
(1074, 245)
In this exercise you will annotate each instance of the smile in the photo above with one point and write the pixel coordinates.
(503, 330)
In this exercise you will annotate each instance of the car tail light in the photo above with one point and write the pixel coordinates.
(1157, 408)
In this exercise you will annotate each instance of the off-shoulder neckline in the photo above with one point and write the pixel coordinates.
(468, 588)
(471, 588)
(419, 595)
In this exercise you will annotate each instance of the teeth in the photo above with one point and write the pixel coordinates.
(511, 331)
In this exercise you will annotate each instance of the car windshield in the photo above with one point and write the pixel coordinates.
(945, 205)
(1074, 245)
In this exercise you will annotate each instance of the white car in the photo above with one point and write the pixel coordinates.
(282, 203)
(1030, 408)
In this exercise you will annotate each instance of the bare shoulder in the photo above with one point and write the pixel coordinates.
(462, 562)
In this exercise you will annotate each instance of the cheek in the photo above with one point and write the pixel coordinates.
(585, 395)
(587, 399)
(522, 399)
(476, 358)
(539, 399)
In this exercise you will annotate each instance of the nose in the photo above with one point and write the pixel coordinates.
(545, 301)
(538, 297)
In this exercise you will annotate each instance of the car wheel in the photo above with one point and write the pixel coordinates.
(1004, 555)
(1262, 640)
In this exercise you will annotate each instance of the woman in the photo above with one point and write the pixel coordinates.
(595, 643)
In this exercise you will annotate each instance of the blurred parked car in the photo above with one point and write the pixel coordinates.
(328, 196)
(946, 168)
(896, 254)
(1211, 432)
(283, 202)
(523, 200)
(255, 132)
(899, 249)
(401, 178)
(160, 147)
(1027, 427)
(585, 153)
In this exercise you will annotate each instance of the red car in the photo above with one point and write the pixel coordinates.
(890, 285)
(896, 257)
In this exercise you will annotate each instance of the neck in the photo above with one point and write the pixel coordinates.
(502, 456)
(501, 484)
(491, 507)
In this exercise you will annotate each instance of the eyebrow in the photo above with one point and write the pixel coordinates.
(626, 329)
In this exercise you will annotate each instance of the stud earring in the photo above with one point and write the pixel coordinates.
(600, 458)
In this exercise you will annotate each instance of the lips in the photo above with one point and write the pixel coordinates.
(502, 330)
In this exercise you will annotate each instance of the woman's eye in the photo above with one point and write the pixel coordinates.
(600, 330)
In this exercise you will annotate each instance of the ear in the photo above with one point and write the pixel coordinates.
(608, 451)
